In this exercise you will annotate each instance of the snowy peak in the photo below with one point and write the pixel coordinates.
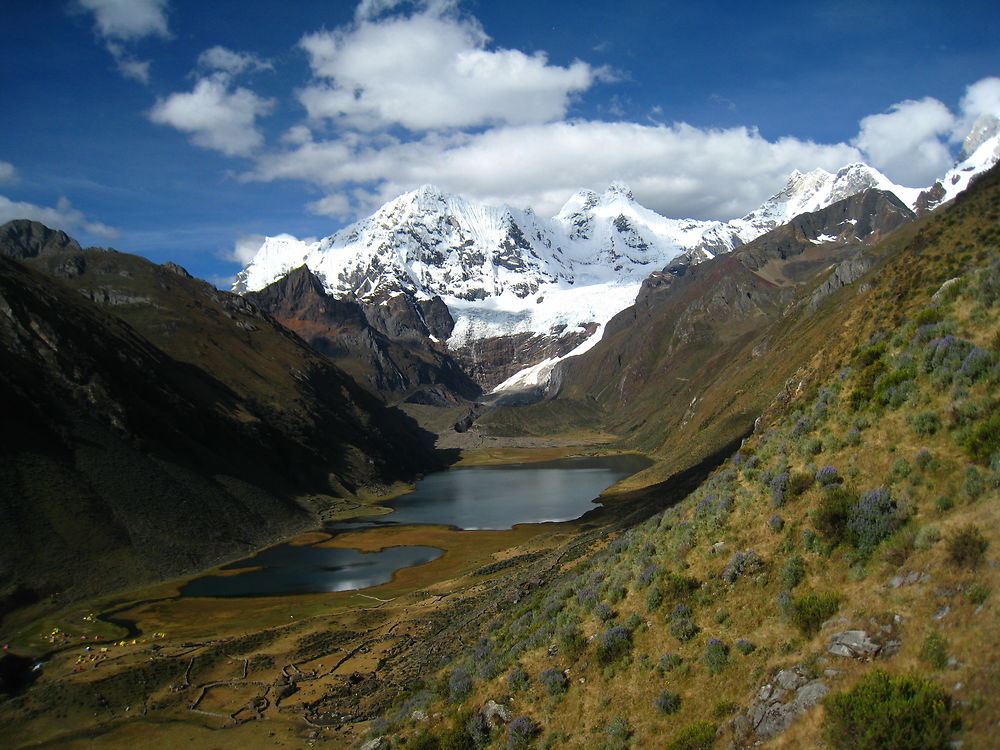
(985, 128)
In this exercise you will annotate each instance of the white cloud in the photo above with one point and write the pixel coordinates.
(228, 61)
(905, 142)
(432, 70)
(369, 10)
(128, 19)
(216, 116)
(8, 173)
(678, 170)
(128, 65)
(243, 250)
(63, 216)
(336, 205)
(121, 22)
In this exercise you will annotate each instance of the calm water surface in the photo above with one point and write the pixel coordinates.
(469, 497)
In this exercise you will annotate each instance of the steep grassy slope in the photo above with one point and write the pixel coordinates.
(848, 549)
(134, 452)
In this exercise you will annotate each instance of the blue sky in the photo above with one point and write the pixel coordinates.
(186, 130)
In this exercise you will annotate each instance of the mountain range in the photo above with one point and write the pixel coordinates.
(523, 292)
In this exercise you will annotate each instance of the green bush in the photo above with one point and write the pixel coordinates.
(881, 711)
(926, 423)
(722, 709)
(683, 629)
(983, 440)
(934, 650)
(978, 593)
(967, 547)
(697, 736)
(944, 503)
(832, 513)
(810, 610)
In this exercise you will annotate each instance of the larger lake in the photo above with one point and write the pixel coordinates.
(467, 497)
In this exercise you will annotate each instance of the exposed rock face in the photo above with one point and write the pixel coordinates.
(22, 239)
(777, 705)
(492, 360)
(387, 346)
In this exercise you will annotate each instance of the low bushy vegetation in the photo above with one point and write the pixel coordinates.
(882, 711)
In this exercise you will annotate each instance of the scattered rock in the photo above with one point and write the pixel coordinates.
(496, 715)
(790, 679)
(832, 673)
(943, 612)
(419, 715)
(834, 621)
(853, 644)
(377, 743)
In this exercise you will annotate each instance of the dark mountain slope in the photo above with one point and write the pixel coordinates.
(386, 346)
(699, 355)
(122, 462)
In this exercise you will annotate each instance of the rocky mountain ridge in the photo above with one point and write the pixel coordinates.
(523, 291)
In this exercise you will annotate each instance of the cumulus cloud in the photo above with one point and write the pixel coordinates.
(8, 173)
(62, 216)
(243, 250)
(122, 22)
(431, 70)
(128, 19)
(678, 169)
(217, 116)
(906, 141)
(226, 60)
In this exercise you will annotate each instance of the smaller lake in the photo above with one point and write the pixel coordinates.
(291, 569)
(467, 497)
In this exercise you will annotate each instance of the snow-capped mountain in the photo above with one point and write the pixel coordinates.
(502, 271)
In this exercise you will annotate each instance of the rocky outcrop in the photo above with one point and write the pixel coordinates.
(777, 705)
(393, 347)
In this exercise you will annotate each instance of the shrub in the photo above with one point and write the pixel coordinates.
(521, 733)
(926, 423)
(813, 447)
(668, 702)
(670, 662)
(923, 459)
(678, 587)
(683, 629)
(716, 655)
(902, 712)
(571, 641)
(967, 547)
(927, 537)
(934, 650)
(872, 519)
(517, 680)
(809, 611)
(832, 514)
(978, 593)
(654, 598)
(618, 732)
(554, 681)
(614, 644)
(742, 564)
(776, 523)
(647, 575)
(944, 503)
(459, 685)
(779, 488)
(828, 475)
(424, 740)
(680, 610)
(603, 612)
(697, 736)
(799, 482)
(793, 573)
(983, 439)
(745, 647)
